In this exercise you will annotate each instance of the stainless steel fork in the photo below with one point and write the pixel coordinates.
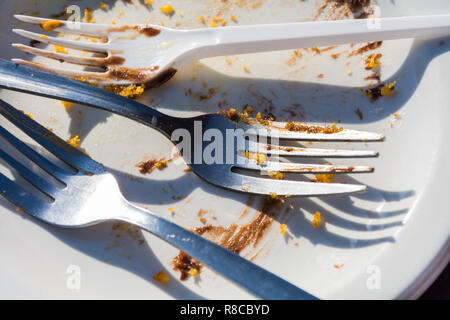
(30, 80)
(90, 195)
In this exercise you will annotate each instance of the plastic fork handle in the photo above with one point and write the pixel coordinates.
(30, 80)
(271, 37)
(246, 274)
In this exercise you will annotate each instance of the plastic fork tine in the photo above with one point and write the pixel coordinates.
(86, 61)
(76, 75)
(50, 141)
(70, 26)
(79, 45)
(20, 197)
(300, 167)
(28, 175)
(42, 162)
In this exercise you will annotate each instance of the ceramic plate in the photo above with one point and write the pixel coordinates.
(390, 242)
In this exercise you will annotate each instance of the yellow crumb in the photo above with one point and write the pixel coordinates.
(50, 25)
(325, 177)
(167, 9)
(202, 19)
(388, 89)
(258, 157)
(161, 277)
(120, 14)
(60, 49)
(88, 16)
(248, 109)
(161, 164)
(245, 69)
(193, 272)
(283, 229)
(131, 91)
(349, 72)
(74, 141)
(233, 18)
(373, 62)
(273, 195)
(317, 220)
(43, 36)
(148, 3)
(172, 210)
(113, 21)
(30, 115)
(213, 24)
(276, 175)
(104, 6)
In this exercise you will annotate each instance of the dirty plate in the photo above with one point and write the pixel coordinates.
(390, 242)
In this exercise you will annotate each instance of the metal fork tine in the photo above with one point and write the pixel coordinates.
(73, 27)
(278, 131)
(21, 198)
(50, 141)
(85, 61)
(37, 181)
(42, 162)
(79, 45)
(308, 152)
(299, 167)
(262, 186)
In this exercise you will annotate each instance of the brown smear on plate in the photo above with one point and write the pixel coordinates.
(235, 237)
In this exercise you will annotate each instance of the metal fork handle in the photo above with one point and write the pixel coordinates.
(248, 275)
(30, 80)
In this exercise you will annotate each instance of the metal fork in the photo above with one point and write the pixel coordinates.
(152, 54)
(90, 195)
(30, 80)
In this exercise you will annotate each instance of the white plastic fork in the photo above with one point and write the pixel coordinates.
(152, 54)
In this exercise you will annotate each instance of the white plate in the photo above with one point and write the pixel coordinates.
(388, 243)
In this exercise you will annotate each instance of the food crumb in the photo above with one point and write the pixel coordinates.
(359, 113)
(60, 49)
(283, 229)
(161, 277)
(317, 220)
(168, 10)
(276, 175)
(146, 167)
(131, 91)
(324, 178)
(193, 272)
(88, 16)
(246, 69)
(185, 263)
(258, 157)
(293, 126)
(74, 141)
(388, 89)
(50, 25)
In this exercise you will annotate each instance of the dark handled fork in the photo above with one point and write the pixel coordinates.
(90, 195)
(223, 174)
